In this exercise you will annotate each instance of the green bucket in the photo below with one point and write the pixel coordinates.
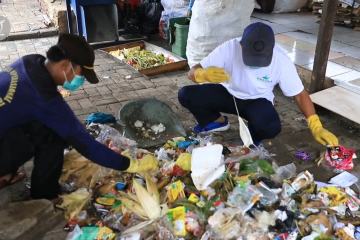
(179, 28)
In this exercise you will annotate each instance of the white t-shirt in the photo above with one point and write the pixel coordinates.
(250, 83)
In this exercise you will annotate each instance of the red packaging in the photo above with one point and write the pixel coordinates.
(177, 171)
(340, 157)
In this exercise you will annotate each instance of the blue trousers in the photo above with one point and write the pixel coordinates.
(206, 102)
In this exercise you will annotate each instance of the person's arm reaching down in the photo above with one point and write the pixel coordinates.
(320, 134)
(292, 86)
(59, 117)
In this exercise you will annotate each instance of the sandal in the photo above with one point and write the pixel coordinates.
(15, 177)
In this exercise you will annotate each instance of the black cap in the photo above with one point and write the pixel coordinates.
(80, 52)
(258, 43)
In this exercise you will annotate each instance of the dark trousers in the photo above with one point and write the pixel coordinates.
(33, 139)
(206, 102)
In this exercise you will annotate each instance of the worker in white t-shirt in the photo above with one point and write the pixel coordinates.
(256, 65)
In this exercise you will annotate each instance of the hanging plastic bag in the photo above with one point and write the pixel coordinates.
(153, 9)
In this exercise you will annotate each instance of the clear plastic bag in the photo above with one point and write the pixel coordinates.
(205, 138)
(268, 197)
(244, 197)
(162, 154)
(112, 220)
(283, 172)
(259, 152)
(164, 229)
(226, 223)
(107, 133)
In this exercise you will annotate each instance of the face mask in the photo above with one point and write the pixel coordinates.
(77, 82)
(254, 67)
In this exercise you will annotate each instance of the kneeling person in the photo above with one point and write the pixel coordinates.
(256, 65)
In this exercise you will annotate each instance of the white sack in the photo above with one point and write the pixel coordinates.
(284, 6)
(214, 22)
(174, 9)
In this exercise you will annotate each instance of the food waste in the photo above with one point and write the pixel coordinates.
(141, 58)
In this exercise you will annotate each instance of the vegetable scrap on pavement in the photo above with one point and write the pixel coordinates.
(141, 58)
(238, 194)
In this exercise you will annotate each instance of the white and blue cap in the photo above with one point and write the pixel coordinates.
(258, 43)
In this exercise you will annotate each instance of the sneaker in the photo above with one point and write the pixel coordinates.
(213, 127)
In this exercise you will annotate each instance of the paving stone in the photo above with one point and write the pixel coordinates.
(77, 96)
(85, 103)
(137, 85)
(102, 100)
(105, 109)
(149, 92)
(115, 107)
(127, 88)
(120, 96)
(28, 220)
(92, 91)
(85, 111)
(173, 95)
(104, 90)
(74, 104)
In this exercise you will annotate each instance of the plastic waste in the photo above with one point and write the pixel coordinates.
(259, 152)
(75, 234)
(184, 161)
(268, 197)
(244, 197)
(312, 236)
(162, 154)
(225, 223)
(283, 172)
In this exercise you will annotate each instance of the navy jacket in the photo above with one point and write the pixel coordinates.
(28, 93)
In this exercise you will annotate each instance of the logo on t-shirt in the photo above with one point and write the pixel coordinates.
(12, 87)
(266, 78)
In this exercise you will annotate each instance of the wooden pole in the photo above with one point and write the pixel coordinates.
(323, 44)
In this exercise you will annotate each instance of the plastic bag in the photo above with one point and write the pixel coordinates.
(184, 161)
(205, 139)
(162, 154)
(108, 135)
(172, 9)
(259, 152)
(164, 229)
(226, 223)
(112, 220)
(75, 234)
(209, 19)
(283, 172)
(340, 158)
(244, 197)
(268, 197)
(153, 11)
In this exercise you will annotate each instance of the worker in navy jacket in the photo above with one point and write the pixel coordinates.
(36, 122)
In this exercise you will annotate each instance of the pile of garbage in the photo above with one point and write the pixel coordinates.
(203, 190)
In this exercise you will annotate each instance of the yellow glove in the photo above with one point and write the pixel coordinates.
(211, 75)
(147, 163)
(320, 134)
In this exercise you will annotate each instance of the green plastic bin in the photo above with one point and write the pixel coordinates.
(179, 30)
